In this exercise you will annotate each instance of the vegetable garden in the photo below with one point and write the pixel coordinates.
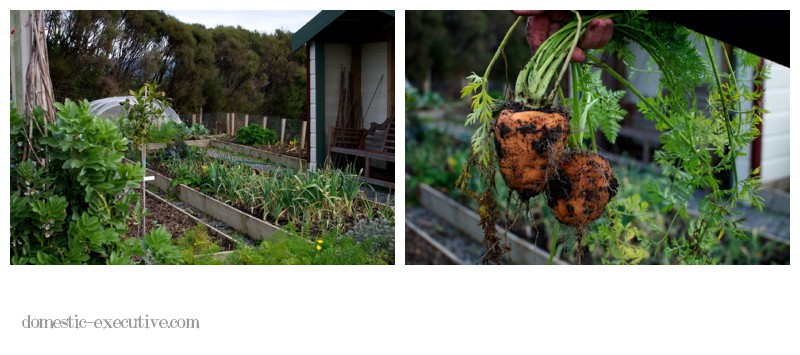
(77, 196)
(535, 182)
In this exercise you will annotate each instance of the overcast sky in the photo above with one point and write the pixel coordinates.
(262, 21)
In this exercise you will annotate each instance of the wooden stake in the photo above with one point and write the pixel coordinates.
(283, 129)
(194, 119)
(264, 122)
(303, 135)
(246, 119)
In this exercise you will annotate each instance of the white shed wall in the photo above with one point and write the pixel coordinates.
(373, 75)
(775, 142)
(312, 77)
(337, 56)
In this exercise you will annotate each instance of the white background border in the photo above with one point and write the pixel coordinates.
(401, 309)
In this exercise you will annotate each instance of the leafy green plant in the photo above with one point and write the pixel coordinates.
(697, 144)
(75, 209)
(255, 135)
(294, 248)
(198, 131)
(422, 101)
(323, 196)
(147, 104)
(168, 132)
(195, 242)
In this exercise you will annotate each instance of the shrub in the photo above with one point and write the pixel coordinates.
(168, 132)
(255, 135)
(74, 209)
(198, 131)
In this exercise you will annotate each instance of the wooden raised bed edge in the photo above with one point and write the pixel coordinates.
(285, 160)
(438, 246)
(467, 220)
(240, 221)
(211, 230)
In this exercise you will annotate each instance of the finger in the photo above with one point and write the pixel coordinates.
(538, 28)
(578, 55)
(598, 33)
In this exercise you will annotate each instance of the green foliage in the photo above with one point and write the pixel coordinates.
(198, 131)
(195, 242)
(147, 104)
(289, 248)
(75, 209)
(698, 142)
(448, 44)
(255, 135)
(159, 248)
(168, 132)
(324, 196)
(596, 106)
(101, 53)
(436, 160)
(422, 101)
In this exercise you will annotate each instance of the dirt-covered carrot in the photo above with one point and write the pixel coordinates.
(578, 194)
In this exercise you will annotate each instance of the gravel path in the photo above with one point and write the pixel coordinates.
(465, 248)
(383, 196)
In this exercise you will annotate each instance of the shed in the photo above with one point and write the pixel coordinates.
(357, 42)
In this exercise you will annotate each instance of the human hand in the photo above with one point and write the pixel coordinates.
(542, 24)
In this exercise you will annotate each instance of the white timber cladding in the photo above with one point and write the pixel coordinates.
(775, 126)
(312, 72)
(337, 56)
(374, 76)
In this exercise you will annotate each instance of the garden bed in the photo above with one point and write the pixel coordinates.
(422, 249)
(178, 223)
(238, 220)
(467, 220)
(318, 200)
(275, 154)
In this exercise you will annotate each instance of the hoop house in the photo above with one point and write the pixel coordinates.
(112, 107)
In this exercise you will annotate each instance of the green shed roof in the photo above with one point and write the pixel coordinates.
(323, 20)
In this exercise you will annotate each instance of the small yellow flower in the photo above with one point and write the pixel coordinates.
(320, 241)
(319, 247)
(205, 168)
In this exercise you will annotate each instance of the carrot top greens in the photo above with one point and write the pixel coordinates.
(701, 136)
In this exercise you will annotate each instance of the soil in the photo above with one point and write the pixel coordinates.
(420, 252)
(169, 217)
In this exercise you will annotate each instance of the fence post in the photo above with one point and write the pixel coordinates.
(228, 123)
(303, 135)
(233, 123)
(194, 119)
(264, 122)
(283, 129)
(246, 119)
(201, 115)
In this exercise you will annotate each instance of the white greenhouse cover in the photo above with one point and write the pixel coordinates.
(111, 107)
